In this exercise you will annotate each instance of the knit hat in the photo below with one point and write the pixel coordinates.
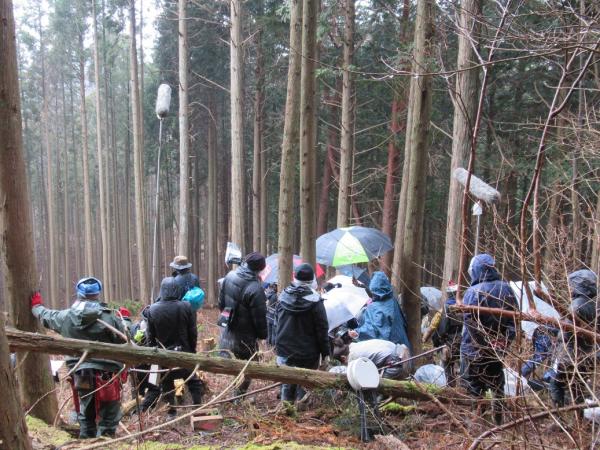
(180, 263)
(304, 272)
(255, 261)
(88, 287)
(124, 312)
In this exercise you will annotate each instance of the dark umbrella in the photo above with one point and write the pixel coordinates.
(270, 273)
(351, 245)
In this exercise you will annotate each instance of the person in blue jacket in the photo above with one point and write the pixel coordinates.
(485, 337)
(383, 318)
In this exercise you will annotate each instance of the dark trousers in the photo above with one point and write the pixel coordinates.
(167, 387)
(482, 373)
(294, 392)
(96, 417)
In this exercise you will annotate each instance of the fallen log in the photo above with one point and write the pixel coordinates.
(536, 317)
(134, 355)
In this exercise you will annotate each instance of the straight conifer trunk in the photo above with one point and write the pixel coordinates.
(138, 171)
(465, 109)
(100, 157)
(415, 167)
(211, 216)
(184, 138)
(308, 152)
(21, 276)
(289, 147)
(347, 136)
(238, 216)
(258, 159)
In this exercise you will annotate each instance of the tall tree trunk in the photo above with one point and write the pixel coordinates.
(289, 147)
(323, 215)
(138, 171)
(238, 220)
(465, 108)
(258, 170)
(65, 200)
(49, 179)
(416, 149)
(100, 157)
(595, 263)
(184, 139)
(347, 137)
(308, 153)
(89, 260)
(21, 276)
(212, 234)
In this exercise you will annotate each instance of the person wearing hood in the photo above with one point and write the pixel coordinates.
(243, 307)
(576, 355)
(485, 337)
(302, 328)
(448, 333)
(183, 274)
(172, 326)
(383, 318)
(96, 383)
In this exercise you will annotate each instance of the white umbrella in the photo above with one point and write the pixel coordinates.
(343, 303)
(543, 307)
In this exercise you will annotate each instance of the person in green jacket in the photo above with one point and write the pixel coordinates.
(96, 382)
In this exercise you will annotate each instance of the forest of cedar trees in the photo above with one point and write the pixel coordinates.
(289, 119)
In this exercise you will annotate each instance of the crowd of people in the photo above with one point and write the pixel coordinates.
(295, 324)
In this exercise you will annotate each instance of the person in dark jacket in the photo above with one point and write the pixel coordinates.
(272, 302)
(485, 337)
(302, 328)
(575, 356)
(242, 303)
(448, 334)
(96, 382)
(183, 274)
(172, 326)
(383, 318)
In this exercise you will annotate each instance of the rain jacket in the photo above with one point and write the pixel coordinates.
(301, 325)
(383, 318)
(242, 292)
(186, 280)
(171, 322)
(484, 334)
(80, 321)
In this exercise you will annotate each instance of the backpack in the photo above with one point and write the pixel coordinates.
(195, 297)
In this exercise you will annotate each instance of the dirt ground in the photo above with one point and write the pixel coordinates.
(327, 420)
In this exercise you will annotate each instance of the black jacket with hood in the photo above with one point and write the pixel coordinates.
(301, 324)
(242, 292)
(171, 322)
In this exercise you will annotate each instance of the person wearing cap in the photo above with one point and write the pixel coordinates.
(242, 303)
(97, 382)
(302, 328)
(172, 325)
(183, 274)
(448, 333)
(485, 337)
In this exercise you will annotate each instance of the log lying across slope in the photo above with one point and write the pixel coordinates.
(133, 355)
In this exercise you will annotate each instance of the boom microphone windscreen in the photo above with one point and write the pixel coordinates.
(163, 100)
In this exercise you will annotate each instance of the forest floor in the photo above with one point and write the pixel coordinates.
(327, 420)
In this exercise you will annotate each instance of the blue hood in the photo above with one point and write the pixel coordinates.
(380, 286)
(482, 268)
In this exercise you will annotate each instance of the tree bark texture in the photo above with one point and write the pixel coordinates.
(238, 178)
(417, 147)
(138, 171)
(133, 355)
(289, 147)
(258, 169)
(21, 276)
(308, 151)
(347, 132)
(465, 109)
(184, 138)
(211, 216)
(49, 178)
(100, 157)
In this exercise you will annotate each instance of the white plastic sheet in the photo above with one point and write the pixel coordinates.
(433, 297)
(431, 374)
(511, 384)
(543, 307)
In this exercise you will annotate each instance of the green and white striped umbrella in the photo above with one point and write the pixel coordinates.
(351, 245)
